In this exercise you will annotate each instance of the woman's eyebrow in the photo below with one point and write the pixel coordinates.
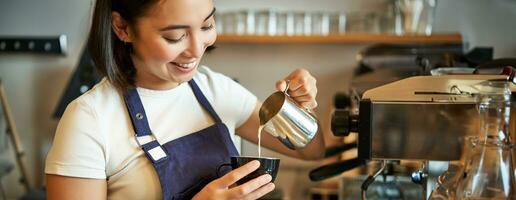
(172, 27)
(211, 14)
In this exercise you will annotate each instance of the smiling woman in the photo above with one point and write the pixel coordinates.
(167, 41)
(141, 133)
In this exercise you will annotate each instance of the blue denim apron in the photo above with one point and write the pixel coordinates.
(184, 165)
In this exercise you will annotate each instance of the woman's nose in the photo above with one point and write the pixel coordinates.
(196, 46)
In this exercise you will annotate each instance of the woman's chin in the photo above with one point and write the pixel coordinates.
(183, 77)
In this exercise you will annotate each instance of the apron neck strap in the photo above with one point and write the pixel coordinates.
(137, 112)
(139, 118)
(203, 101)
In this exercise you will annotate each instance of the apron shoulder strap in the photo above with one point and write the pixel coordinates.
(152, 148)
(137, 112)
(204, 102)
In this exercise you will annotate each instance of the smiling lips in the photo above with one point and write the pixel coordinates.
(184, 67)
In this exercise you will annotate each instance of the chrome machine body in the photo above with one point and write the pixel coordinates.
(421, 118)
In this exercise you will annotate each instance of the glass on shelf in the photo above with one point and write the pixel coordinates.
(281, 23)
(394, 20)
(302, 23)
(226, 22)
(250, 19)
(320, 23)
(290, 24)
(266, 22)
(362, 22)
(417, 15)
(307, 27)
(387, 21)
(235, 22)
(337, 23)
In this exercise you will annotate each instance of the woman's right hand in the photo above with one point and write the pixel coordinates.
(222, 188)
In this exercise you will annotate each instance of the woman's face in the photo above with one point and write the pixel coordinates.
(169, 42)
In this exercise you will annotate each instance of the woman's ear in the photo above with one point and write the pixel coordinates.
(120, 27)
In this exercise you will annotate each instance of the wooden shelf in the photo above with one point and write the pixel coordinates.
(347, 38)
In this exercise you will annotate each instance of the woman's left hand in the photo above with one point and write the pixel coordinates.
(302, 87)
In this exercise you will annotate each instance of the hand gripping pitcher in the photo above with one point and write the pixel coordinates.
(284, 119)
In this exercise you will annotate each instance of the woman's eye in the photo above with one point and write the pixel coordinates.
(209, 27)
(172, 41)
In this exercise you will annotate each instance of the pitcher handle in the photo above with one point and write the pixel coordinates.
(311, 112)
(286, 88)
(308, 110)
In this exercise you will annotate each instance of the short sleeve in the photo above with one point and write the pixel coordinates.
(243, 101)
(233, 101)
(78, 149)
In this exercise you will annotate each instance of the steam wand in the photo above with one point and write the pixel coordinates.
(370, 179)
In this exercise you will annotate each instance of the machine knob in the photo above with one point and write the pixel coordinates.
(418, 177)
(343, 122)
(341, 101)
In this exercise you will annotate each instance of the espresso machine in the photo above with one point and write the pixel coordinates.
(420, 118)
(408, 108)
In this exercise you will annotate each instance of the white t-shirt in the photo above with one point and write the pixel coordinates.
(95, 137)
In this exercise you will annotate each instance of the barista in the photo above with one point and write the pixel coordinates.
(159, 123)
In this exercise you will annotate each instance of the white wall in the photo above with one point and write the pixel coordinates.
(481, 22)
(34, 83)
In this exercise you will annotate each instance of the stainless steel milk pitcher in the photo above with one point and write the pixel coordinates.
(283, 118)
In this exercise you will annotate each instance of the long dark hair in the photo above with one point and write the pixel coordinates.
(112, 56)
